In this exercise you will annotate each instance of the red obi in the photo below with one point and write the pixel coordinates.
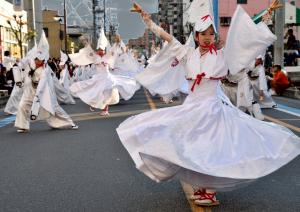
(199, 78)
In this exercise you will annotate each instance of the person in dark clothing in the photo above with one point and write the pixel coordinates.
(291, 40)
(3, 81)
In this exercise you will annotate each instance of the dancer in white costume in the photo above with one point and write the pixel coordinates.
(207, 141)
(64, 79)
(259, 84)
(126, 65)
(61, 86)
(20, 71)
(39, 96)
(103, 88)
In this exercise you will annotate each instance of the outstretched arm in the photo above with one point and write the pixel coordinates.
(157, 30)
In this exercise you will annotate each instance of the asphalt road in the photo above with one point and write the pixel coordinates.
(89, 169)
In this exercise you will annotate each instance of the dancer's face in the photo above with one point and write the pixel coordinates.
(101, 52)
(207, 37)
(38, 63)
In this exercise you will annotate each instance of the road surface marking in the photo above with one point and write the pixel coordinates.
(149, 99)
(289, 119)
(289, 110)
(91, 116)
(277, 121)
(7, 121)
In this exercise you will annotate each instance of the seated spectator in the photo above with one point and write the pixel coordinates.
(280, 81)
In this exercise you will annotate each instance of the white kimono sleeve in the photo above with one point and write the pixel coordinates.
(245, 41)
(45, 92)
(165, 73)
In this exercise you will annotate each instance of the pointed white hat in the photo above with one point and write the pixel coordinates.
(201, 15)
(63, 58)
(42, 52)
(102, 41)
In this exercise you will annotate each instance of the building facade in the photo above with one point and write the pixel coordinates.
(170, 17)
(8, 41)
(54, 31)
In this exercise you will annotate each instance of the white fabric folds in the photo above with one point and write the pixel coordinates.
(242, 29)
(207, 141)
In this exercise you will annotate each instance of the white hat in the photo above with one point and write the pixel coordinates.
(42, 52)
(201, 14)
(84, 57)
(63, 58)
(102, 41)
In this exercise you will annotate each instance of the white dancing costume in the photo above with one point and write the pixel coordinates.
(103, 88)
(44, 94)
(207, 141)
(261, 84)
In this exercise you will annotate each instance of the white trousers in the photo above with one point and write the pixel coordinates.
(60, 120)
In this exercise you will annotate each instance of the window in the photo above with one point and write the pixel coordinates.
(46, 30)
(225, 21)
(242, 1)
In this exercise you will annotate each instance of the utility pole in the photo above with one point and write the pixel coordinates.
(65, 28)
(216, 13)
(94, 24)
(1, 44)
(279, 32)
(104, 16)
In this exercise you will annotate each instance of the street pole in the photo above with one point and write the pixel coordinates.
(216, 13)
(279, 32)
(65, 27)
(33, 19)
(1, 44)
(20, 31)
(104, 5)
(94, 24)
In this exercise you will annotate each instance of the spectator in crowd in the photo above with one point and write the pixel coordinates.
(291, 40)
(280, 81)
(291, 45)
(3, 81)
(8, 61)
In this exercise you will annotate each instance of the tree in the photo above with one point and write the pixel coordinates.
(16, 29)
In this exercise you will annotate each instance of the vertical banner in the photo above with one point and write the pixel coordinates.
(18, 5)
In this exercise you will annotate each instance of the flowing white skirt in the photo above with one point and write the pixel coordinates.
(63, 95)
(12, 104)
(206, 142)
(127, 86)
(104, 88)
(97, 92)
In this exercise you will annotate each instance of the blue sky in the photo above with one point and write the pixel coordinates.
(131, 25)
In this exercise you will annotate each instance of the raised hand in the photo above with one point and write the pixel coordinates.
(136, 8)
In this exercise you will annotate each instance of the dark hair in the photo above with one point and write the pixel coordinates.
(7, 53)
(3, 69)
(290, 31)
(278, 67)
